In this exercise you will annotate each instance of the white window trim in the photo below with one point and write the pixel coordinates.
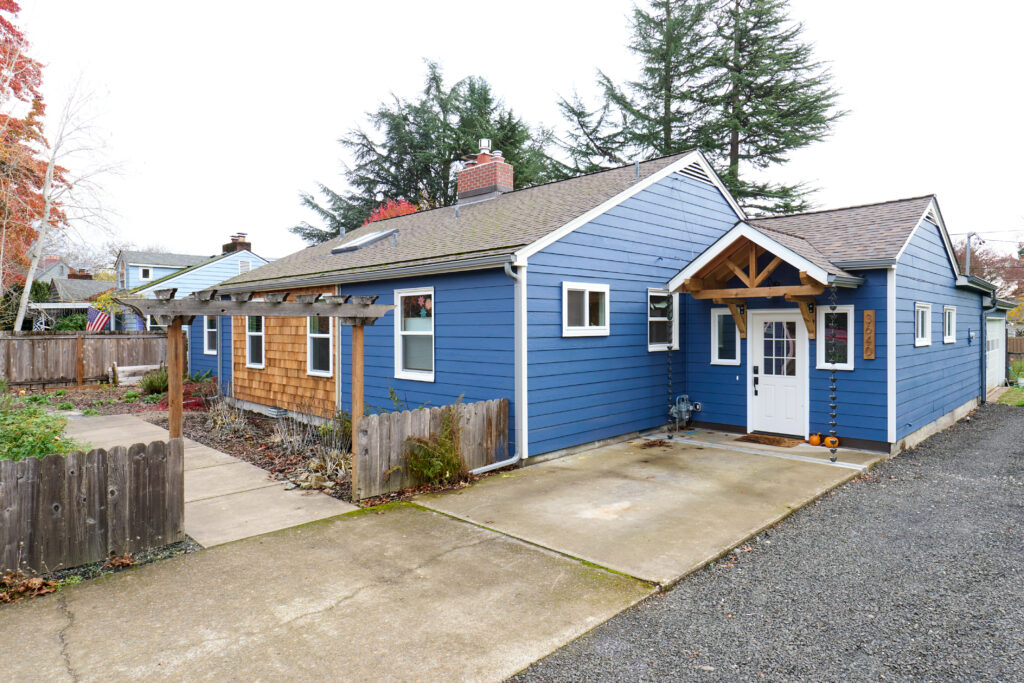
(309, 350)
(207, 349)
(586, 330)
(926, 340)
(145, 278)
(151, 323)
(822, 341)
(674, 344)
(248, 350)
(951, 337)
(400, 372)
(715, 360)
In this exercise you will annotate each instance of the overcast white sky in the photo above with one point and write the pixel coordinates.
(222, 112)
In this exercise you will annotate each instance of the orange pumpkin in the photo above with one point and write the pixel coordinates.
(815, 440)
(831, 442)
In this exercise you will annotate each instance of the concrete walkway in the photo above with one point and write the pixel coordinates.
(397, 594)
(226, 499)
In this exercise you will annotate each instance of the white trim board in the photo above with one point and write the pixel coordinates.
(890, 351)
(520, 256)
(758, 238)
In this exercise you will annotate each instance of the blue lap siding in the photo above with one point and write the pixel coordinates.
(933, 380)
(582, 389)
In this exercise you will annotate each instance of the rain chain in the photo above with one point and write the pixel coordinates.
(832, 357)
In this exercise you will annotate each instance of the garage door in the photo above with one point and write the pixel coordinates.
(995, 352)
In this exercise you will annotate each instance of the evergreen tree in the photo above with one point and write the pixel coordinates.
(414, 148)
(730, 77)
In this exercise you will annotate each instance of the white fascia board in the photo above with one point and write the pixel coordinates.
(758, 238)
(520, 256)
(950, 254)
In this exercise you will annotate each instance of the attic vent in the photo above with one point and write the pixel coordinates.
(364, 240)
(244, 266)
(697, 172)
(932, 216)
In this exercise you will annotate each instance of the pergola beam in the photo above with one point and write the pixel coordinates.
(753, 292)
(289, 309)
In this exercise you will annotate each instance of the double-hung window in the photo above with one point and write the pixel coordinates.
(922, 324)
(414, 334)
(254, 350)
(319, 347)
(725, 338)
(949, 324)
(145, 274)
(210, 335)
(835, 338)
(585, 310)
(662, 329)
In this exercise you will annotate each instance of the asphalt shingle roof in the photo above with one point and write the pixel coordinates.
(487, 228)
(871, 231)
(156, 258)
(68, 290)
(804, 248)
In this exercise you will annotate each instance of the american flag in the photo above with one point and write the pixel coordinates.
(97, 320)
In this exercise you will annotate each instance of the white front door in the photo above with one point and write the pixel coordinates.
(778, 373)
(995, 353)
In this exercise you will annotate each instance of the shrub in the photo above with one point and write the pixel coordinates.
(38, 400)
(90, 412)
(130, 396)
(75, 321)
(154, 382)
(199, 376)
(65, 405)
(33, 433)
(61, 392)
(226, 420)
(155, 398)
(437, 460)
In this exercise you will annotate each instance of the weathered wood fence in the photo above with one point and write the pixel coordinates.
(380, 465)
(1015, 345)
(52, 358)
(66, 511)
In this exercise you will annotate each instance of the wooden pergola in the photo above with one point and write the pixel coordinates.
(353, 311)
(740, 260)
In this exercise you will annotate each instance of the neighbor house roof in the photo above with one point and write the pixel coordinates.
(68, 290)
(477, 230)
(156, 258)
(184, 271)
(854, 234)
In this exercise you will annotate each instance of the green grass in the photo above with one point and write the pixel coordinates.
(1014, 396)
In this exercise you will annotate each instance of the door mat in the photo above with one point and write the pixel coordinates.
(768, 440)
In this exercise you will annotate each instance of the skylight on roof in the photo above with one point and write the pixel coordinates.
(364, 240)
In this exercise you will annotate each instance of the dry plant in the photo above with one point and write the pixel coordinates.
(324, 443)
(225, 419)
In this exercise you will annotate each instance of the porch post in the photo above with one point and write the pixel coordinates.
(357, 390)
(174, 371)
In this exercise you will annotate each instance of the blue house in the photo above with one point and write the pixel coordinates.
(208, 336)
(593, 303)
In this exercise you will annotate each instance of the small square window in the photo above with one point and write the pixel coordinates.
(949, 324)
(585, 310)
(922, 324)
(725, 338)
(145, 274)
(835, 337)
(661, 320)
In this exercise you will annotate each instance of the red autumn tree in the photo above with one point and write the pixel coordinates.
(1004, 270)
(23, 148)
(392, 208)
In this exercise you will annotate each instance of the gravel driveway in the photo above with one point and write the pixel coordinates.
(915, 572)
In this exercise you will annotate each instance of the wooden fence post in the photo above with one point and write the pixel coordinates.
(174, 371)
(80, 362)
(357, 391)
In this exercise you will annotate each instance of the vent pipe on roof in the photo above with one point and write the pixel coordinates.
(636, 169)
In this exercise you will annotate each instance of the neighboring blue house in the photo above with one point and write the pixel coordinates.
(207, 336)
(592, 303)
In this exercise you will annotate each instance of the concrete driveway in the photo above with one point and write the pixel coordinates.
(654, 513)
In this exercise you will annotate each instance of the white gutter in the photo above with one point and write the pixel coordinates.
(522, 446)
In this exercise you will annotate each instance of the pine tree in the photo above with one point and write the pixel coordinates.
(414, 148)
(730, 77)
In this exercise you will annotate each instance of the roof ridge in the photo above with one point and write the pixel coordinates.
(842, 208)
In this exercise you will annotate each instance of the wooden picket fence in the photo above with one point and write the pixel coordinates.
(1015, 345)
(66, 511)
(61, 358)
(380, 465)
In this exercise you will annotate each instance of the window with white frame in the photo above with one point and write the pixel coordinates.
(145, 273)
(585, 310)
(414, 334)
(949, 324)
(725, 338)
(210, 335)
(122, 281)
(922, 324)
(835, 338)
(153, 326)
(254, 342)
(319, 346)
(662, 328)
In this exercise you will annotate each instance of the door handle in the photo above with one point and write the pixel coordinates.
(755, 386)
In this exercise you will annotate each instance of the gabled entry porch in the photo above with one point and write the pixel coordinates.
(766, 288)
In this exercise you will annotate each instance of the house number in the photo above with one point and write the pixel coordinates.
(869, 335)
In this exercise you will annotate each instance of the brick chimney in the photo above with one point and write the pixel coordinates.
(238, 242)
(80, 274)
(486, 174)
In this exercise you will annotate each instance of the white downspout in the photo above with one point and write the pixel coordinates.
(522, 447)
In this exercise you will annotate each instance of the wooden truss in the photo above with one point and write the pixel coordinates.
(740, 261)
(354, 311)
